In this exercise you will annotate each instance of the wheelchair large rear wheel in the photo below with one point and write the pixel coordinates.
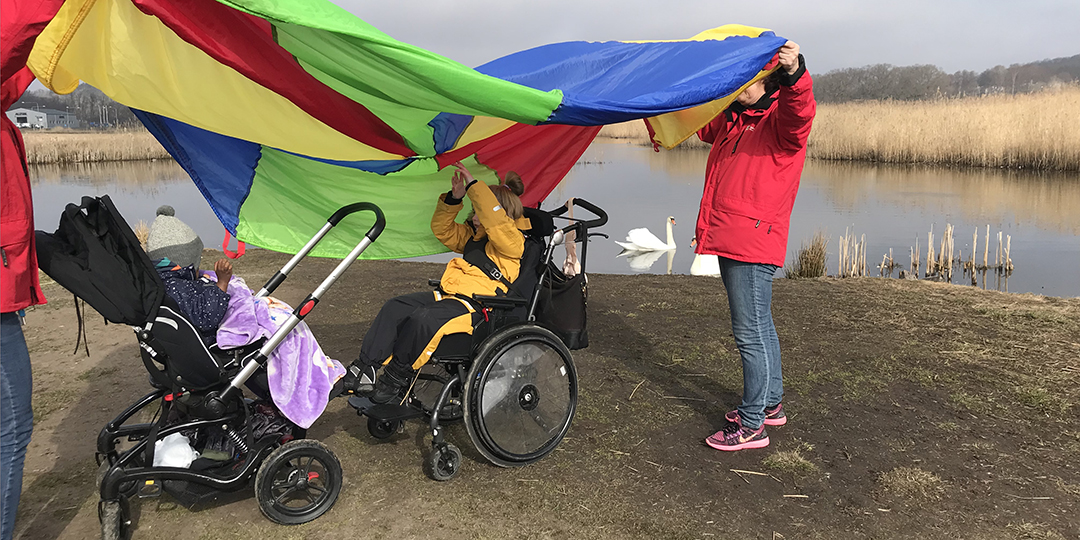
(520, 396)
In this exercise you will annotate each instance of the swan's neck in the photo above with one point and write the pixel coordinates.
(670, 237)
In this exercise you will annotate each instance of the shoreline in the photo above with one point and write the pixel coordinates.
(971, 133)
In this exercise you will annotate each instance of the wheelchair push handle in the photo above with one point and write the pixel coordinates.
(582, 226)
(602, 217)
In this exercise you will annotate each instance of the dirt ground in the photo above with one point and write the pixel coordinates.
(917, 410)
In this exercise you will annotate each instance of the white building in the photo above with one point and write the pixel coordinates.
(28, 118)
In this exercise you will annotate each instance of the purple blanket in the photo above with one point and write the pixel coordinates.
(300, 375)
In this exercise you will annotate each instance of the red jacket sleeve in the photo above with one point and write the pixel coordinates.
(795, 108)
(714, 129)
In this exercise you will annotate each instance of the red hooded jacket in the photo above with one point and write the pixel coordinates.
(753, 173)
(21, 22)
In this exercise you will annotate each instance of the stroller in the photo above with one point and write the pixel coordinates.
(198, 389)
(513, 379)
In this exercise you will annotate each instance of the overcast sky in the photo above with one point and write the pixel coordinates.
(951, 34)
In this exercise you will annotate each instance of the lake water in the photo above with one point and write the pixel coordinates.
(891, 205)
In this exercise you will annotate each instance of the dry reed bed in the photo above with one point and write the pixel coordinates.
(1030, 131)
(76, 147)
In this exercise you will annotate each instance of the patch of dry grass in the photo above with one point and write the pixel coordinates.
(1034, 531)
(142, 232)
(75, 147)
(975, 131)
(913, 483)
(811, 259)
(789, 462)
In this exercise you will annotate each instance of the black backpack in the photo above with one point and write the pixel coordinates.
(95, 255)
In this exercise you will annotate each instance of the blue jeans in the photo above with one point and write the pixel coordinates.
(749, 290)
(16, 418)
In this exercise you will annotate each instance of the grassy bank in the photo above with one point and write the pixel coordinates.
(1029, 131)
(61, 147)
(917, 410)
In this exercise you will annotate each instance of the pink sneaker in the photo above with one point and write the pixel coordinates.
(774, 416)
(736, 437)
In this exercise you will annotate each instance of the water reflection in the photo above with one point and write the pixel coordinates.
(136, 187)
(1046, 200)
(893, 206)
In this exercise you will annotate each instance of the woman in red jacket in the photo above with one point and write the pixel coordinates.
(752, 176)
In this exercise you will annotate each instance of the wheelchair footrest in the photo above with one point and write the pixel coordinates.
(388, 412)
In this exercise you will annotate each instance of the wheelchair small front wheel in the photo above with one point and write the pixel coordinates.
(444, 463)
(520, 396)
(298, 482)
(382, 429)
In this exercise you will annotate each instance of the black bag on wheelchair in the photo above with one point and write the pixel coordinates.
(562, 306)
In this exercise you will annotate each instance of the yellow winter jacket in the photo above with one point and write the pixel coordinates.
(505, 242)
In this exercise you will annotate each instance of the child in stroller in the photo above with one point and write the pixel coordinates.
(300, 377)
(176, 251)
(408, 328)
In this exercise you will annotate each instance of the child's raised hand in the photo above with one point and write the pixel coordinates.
(457, 185)
(224, 271)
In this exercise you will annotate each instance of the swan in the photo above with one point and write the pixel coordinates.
(643, 240)
(705, 265)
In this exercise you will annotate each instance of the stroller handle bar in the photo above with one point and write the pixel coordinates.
(257, 359)
(371, 235)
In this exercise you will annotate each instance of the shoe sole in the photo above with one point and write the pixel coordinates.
(768, 421)
(760, 443)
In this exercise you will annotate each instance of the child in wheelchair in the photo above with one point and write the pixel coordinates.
(408, 328)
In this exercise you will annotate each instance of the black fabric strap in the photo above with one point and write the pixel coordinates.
(475, 255)
(158, 375)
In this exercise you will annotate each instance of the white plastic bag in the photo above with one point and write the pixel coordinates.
(174, 451)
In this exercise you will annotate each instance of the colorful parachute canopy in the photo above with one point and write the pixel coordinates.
(281, 112)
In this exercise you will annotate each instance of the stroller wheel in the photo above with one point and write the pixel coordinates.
(443, 464)
(298, 482)
(113, 516)
(382, 429)
(520, 396)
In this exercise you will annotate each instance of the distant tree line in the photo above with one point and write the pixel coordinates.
(93, 108)
(884, 81)
(877, 82)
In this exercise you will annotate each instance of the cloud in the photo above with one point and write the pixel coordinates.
(954, 35)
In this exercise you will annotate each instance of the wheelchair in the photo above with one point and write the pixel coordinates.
(512, 381)
(198, 390)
